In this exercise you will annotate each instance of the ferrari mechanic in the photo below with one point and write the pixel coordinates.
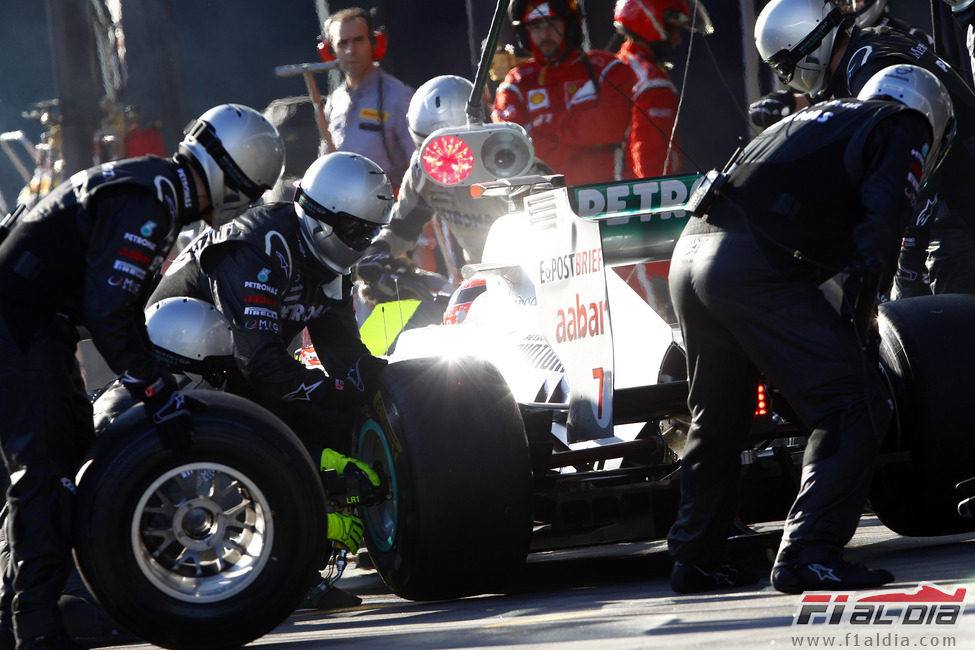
(575, 104)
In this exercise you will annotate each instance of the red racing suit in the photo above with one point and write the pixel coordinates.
(653, 113)
(576, 112)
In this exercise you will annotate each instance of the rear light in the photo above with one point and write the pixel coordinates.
(447, 160)
(761, 406)
(476, 153)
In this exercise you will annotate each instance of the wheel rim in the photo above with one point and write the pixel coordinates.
(381, 520)
(202, 532)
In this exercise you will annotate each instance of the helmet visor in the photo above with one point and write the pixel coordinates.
(233, 175)
(784, 62)
(354, 232)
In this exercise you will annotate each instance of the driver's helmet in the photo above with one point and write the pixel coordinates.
(240, 155)
(341, 202)
(462, 299)
(522, 12)
(191, 336)
(922, 91)
(651, 20)
(795, 37)
(867, 13)
(439, 103)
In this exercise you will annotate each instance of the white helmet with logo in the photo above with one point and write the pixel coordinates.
(922, 91)
(191, 336)
(795, 37)
(342, 201)
(241, 155)
(439, 103)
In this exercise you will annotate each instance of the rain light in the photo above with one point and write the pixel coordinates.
(448, 160)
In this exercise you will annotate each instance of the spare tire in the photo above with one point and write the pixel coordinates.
(928, 353)
(207, 549)
(449, 437)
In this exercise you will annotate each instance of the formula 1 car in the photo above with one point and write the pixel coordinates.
(550, 413)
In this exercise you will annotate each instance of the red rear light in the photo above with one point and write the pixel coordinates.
(448, 160)
(761, 406)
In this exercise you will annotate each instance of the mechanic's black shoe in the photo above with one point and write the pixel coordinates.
(828, 575)
(693, 578)
(7, 640)
(50, 642)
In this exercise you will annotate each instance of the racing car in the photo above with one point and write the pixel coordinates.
(550, 412)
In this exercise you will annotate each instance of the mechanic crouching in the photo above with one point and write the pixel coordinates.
(87, 255)
(826, 190)
(282, 267)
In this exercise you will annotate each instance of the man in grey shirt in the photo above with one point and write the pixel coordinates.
(367, 113)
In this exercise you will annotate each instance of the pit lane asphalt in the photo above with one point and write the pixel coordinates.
(618, 596)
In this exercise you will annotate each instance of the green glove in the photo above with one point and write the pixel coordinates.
(345, 530)
(332, 459)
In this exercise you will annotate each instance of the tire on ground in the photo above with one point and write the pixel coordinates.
(208, 549)
(929, 353)
(450, 438)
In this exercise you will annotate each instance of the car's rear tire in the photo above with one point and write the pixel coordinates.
(208, 549)
(449, 437)
(929, 353)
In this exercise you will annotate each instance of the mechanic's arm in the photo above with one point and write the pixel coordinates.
(130, 239)
(255, 314)
(509, 102)
(651, 126)
(892, 173)
(335, 335)
(409, 215)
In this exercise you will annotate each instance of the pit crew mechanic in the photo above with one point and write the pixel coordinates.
(745, 280)
(282, 267)
(574, 104)
(438, 103)
(651, 29)
(87, 255)
(818, 52)
(867, 13)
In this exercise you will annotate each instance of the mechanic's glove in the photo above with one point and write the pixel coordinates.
(860, 302)
(772, 107)
(332, 459)
(377, 270)
(167, 407)
(345, 530)
(364, 374)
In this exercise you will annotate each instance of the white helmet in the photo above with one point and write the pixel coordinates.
(190, 335)
(439, 103)
(795, 37)
(241, 155)
(867, 13)
(922, 91)
(342, 201)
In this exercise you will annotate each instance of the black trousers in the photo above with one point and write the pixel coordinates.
(45, 428)
(741, 316)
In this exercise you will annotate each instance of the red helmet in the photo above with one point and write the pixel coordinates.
(525, 11)
(460, 301)
(650, 19)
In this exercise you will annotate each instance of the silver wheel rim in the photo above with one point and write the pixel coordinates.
(202, 532)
